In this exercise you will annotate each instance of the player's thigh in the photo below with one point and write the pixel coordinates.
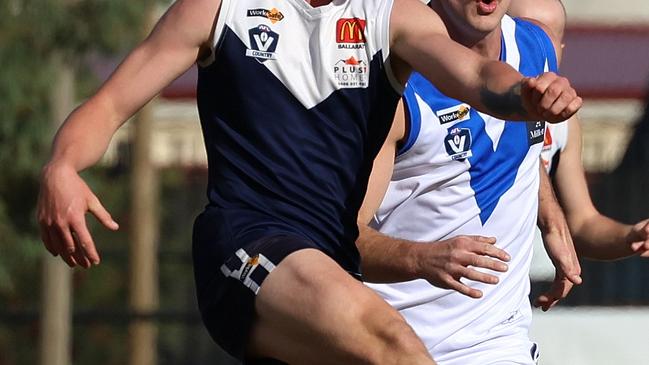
(310, 311)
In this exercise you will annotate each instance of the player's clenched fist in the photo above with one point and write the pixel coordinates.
(550, 97)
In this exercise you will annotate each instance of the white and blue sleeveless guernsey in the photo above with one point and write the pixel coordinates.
(461, 172)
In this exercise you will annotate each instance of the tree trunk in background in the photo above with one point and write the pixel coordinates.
(57, 276)
(143, 256)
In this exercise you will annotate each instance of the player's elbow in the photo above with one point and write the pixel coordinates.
(579, 222)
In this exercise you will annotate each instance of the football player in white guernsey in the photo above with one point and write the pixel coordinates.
(450, 201)
(596, 236)
(308, 310)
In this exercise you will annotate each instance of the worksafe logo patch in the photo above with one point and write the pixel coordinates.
(273, 14)
(263, 43)
(456, 113)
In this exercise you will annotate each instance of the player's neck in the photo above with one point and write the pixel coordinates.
(488, 46)
(485, 44)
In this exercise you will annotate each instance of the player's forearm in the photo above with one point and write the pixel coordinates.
(85, 135)
(490, 86)
(500, 91)
(385, 259)
(550, 217)
(602, 238)
(420, 39)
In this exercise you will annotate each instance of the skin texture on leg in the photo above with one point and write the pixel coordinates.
(310, 311)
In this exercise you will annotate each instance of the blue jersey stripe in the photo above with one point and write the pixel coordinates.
(546, 43)
(413, 119)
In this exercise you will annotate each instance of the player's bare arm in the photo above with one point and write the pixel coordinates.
(550, 16)
(613, 240)
(596, 236)
(387, 259)
(419, 40)
(171, 48)
(558, 243)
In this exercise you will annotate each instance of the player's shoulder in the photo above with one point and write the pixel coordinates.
(549, 15)
(533, 42)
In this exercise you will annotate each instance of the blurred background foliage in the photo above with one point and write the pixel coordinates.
(35, 35)
(31, 34)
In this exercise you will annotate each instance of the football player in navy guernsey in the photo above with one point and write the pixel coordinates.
(451, 208)
(295, 99)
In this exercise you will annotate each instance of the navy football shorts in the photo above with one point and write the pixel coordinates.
(229, 271)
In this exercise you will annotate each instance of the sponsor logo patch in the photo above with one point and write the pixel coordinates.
(456, 113)
(547, 148)
(249, 270)
(535, 132)
(351, 73)
(263, 42)
(252, 262)
(273, 14)
(458, 144)
(350, 33)
(547, 140)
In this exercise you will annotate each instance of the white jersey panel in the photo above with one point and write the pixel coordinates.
(340, 39)
(465, 173)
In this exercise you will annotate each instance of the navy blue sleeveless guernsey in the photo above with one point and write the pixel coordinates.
(295, 103)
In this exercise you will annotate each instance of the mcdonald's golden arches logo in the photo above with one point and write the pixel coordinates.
(350, 30)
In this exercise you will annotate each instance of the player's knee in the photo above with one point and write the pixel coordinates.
(395, 342)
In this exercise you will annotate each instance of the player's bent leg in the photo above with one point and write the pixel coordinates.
(310, 311)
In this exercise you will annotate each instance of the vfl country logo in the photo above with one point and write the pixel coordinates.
(273, 14)
(456, 113)
(351, 73)
(535, 132)
(263, 42)
(350, 33)
(458, 144)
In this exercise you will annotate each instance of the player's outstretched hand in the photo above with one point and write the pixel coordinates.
(550, 97)
(444, 263)
(560, 248)
(639, 238)
(63, 202)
